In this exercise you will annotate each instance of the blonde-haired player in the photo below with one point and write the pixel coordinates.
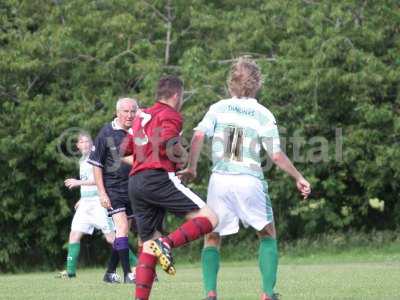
(239, 127)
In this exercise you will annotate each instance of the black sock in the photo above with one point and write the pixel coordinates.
(124, 257)
(113, 262)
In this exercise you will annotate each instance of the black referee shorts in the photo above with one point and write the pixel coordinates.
(153, 193)
(119, 202)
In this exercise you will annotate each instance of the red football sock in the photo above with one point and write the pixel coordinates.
(189, 231)
(145, 271)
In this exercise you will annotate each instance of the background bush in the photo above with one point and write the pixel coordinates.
(327, 65)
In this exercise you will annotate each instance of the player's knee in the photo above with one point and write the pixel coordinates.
(213, 218)
(74, 237)
(212, 240)
(122, 229)
(110, 237)
(211, 215)
(268, 231)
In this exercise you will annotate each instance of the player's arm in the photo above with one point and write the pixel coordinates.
(205, 128)
(127, 159)
(98, 178)
(88, 182)
(72, 182)
(97, 159)
(195, 149)
(270, 140)
(283, 162)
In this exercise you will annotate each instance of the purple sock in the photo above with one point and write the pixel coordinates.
(122, 246)
(121, 243)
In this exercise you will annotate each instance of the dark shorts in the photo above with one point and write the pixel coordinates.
(153, 193)
(119, 203)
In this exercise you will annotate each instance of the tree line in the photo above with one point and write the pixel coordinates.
(331, 77)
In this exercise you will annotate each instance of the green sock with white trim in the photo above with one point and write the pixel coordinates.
(72, 257)
(268, 263)
(210, 264)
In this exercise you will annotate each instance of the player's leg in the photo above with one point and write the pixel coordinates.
(268, 260)
(149, 219)
(253, 206)
(219, 200)
(120, 212)
(210, 258)
(111, 275)
(74, 247)
(146, 269)
(121, 244)
(201, 219)
(101, 220)
(81, 224)
(110, 237)
(133, 260)
(181, 201)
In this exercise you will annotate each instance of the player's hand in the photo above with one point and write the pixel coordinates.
(105, 201)
(187, 174)
(77, 204)
(180, 166)
(72, 182)
(304, 187)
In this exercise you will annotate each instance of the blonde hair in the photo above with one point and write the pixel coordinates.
(245, 78)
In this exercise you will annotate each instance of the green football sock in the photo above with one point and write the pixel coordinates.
(210, 264)
(268, 263)
(72, 258)
(132, 259)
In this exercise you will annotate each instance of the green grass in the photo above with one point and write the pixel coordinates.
(350, 275)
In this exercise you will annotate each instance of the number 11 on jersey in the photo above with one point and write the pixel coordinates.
(233, 146)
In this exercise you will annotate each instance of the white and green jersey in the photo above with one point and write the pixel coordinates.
(239, 127)
(86, 173)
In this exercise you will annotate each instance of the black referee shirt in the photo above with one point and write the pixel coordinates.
(106, 155)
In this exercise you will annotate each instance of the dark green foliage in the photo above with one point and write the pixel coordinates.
(327, 65)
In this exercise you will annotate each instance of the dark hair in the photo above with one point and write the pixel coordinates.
(168, 86)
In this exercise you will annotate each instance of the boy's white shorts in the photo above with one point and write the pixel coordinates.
(90, 215)
(239, 197)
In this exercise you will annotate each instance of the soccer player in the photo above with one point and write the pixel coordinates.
(111, 177)
(89, 213)
(154, 189)
(239, 127)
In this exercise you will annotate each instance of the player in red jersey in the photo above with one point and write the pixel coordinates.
(154, 188)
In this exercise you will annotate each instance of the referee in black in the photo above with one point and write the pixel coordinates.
(111, 176)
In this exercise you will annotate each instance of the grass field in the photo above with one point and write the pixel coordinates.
(350, 275)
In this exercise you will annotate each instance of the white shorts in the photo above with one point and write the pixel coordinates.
(90, 215)
(239, 197)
